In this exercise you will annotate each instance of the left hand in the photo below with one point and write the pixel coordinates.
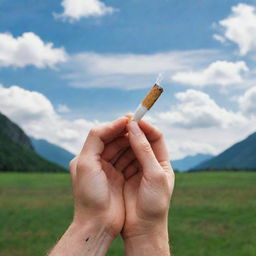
(97, 185)
(98, 193)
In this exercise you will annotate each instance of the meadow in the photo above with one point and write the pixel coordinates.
(211, 214)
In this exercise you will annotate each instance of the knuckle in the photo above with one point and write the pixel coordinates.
(83, 164)
(157, 177)
(144, 146)
(171, 172)
(72, 163)
(161, 177)
(166, 165)
(160, 134)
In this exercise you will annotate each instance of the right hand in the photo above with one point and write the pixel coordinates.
(149, 182)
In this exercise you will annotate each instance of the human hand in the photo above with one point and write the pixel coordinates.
(98, 193)
(147, 191)
(97, 185)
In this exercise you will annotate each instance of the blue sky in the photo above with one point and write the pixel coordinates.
(79, 63)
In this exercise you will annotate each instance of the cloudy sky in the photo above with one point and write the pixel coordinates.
(68, 65)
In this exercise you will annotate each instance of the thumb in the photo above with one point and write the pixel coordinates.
(142, 148)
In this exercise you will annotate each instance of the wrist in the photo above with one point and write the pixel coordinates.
(95, 224)
(154, 243)
(90, 238)
(92, 228)
(144, 227)
(150, 240)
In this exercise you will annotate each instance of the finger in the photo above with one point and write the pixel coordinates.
(156, 139)
(113, 176)
(125, 159)
(142, 148)
(131, 169)
(98, 137)
(114, 159)
(114, 147)
(129, 116)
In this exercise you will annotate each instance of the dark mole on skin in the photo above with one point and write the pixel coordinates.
(87, 239)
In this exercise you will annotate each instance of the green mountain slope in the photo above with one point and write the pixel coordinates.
(241, 155)
(16, 151)
(14, 132)
(52, 152)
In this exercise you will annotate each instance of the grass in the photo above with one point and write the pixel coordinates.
(212, 214)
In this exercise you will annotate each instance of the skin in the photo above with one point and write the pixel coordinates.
(118, 178)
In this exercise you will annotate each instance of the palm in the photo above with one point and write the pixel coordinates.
(139, 198)
(131, 189)
(102, 191)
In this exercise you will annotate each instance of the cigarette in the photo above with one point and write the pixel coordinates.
(148, 102)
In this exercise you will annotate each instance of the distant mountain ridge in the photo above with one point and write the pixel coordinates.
(14, 132)
(59, 155)
(241, 155)
(189, 162)
(52, 152)
(17, 153)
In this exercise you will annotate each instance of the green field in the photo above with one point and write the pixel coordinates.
(212, 214)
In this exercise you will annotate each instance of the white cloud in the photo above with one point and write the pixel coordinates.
(218, 73)
(28, 49)
(195, 109)
(180, 148)
(62, 108)
(219, 38)
(77, 9)
(37, 116)
(197, 124)
(213, 140)
(240, 27)
(248, 102)
(130, 71)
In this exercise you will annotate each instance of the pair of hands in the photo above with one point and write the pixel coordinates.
(122, 183)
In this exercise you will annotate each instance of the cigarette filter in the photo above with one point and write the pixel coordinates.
(148, 102)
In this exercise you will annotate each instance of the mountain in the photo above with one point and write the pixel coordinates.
(189, 162)
(52, 152)
(14, 132)
(17, 153)
(241, 155)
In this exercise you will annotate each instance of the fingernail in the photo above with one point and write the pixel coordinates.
(134, 128)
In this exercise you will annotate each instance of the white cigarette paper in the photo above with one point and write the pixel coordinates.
(148, 102)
